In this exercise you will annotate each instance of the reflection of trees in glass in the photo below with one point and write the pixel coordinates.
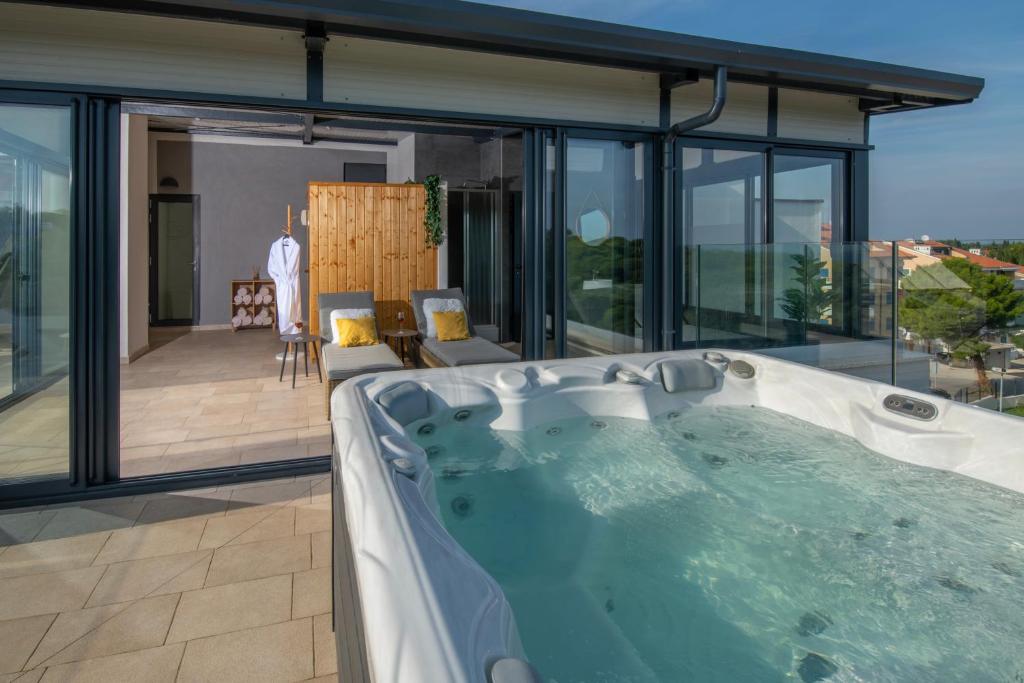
(811, 298)
(617, 259)
(959, 314)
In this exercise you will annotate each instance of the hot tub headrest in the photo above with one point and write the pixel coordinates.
(406, 402)
(692, 374)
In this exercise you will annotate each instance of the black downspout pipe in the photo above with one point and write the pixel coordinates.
(669, 318)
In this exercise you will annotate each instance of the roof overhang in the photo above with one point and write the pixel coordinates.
(474, 26)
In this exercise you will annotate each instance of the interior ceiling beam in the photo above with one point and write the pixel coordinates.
(212, 114)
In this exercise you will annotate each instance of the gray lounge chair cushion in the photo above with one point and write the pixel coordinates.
(692, 374)
(418, 297)
(335, 300)
(342, 363)
(473, 351)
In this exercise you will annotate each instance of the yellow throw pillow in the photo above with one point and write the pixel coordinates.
(451, 325)
(356, 331)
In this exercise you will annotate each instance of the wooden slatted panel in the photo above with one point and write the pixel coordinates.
(369, 236)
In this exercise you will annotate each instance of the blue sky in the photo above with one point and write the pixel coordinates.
(949, 172)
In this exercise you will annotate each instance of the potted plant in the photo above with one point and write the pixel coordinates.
(810, 299)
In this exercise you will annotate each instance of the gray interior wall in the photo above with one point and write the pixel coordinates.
(244, 191)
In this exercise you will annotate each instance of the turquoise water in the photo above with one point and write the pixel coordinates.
(736, 544)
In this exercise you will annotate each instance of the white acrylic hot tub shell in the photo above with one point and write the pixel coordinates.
(432, 614)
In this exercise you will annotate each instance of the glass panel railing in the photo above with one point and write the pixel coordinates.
(961, 321)
(824, 304)
(938, 317)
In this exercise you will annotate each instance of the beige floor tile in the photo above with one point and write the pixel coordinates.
(143, 452)
(142, 467)
(282, 652)
(146, 424)
(51, 556)
(292, 493)
(286, 437)
(259, 525)
(183, 507)
(26, 596)
(312, 518)
(201, 420)
(155, 665)
(232, 607)
(325, 651)
(201, 446)
(23, 677)
(149, 438)
(90, 518)
(153, 540)
(228, 457)
(107, 630)
(216, 431)
(22, 527)
(254, 454)
(235, 563)
(311, 592)
(18, 639)
(321, 547)
(136, 579)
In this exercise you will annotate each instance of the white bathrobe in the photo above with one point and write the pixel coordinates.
(283, 266)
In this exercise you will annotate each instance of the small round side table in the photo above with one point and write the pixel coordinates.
(296, 339)
(401, 335)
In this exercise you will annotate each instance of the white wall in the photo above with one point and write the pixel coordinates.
(745, 112)
(134, 243)
(63, 45)
(402, 160)
(376, 72)
(820, 116)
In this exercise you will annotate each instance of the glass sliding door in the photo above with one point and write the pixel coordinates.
(35, 291)
(722, 215)
(605, 219)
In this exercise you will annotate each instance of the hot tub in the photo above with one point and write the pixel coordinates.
(673, 516)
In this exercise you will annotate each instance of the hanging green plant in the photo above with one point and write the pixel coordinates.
(432, 222)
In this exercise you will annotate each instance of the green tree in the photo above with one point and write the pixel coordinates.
(957, 302)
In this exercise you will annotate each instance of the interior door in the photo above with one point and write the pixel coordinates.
(174, 260)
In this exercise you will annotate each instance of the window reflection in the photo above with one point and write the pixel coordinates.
(35, 224)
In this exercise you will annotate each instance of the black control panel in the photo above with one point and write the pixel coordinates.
(910, 407)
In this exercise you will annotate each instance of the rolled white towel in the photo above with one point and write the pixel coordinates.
(268, 299)
(247, 320)
(247, 299)
(238, 298)
(236, 321)
(240, 313)
(243, 290)
(258, 299)
(264, 290)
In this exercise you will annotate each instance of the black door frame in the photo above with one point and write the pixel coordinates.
(94, 364)
(154, 275)
(852, 198)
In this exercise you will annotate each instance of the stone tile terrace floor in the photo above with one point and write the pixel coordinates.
(220, 584)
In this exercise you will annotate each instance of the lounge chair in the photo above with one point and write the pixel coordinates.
(473, 351)
(342, 363)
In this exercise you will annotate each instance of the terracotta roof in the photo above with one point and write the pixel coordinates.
(985, 261)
